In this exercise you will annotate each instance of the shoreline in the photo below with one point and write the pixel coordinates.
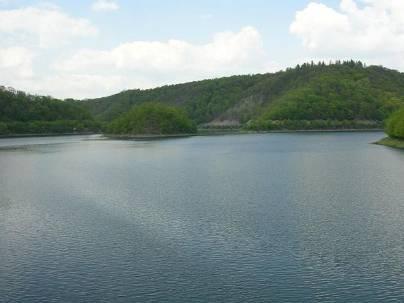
(286, 131)
(391, 142)
(13, 136)
(206, 133)
(200, 133)
(147, 137)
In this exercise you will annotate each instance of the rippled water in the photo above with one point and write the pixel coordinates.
(256, 218)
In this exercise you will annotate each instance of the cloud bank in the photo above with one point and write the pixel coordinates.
(16, 62)
(43, 27)
(369, 29)
(228, 52)
(143, 64)
(45, 50)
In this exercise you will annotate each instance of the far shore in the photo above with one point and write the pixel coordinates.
(10, 136)
(221, 132)
(147, 137)
(224, 131)
(201, 132)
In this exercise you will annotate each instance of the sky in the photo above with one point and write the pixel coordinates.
(93, 48)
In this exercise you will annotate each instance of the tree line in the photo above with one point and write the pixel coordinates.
(339, 95)
(152, 119)
(340, 91)
(395, 125)
(21, 113)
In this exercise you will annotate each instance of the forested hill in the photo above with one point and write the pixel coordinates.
(343, 94)
(309, 96)
(21, 113)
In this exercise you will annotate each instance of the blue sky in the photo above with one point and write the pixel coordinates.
(98, 47)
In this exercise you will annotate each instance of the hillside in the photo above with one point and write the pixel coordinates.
(340, 95)
(344, 95)
(21, 113)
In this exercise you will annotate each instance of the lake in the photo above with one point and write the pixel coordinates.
(307, 217)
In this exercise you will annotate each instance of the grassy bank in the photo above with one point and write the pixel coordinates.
(391, 142)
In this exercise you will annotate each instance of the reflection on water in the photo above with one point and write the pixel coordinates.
(257, 218)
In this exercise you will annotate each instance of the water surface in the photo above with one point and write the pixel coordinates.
(250, 218)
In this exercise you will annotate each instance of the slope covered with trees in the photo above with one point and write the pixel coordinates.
(339, 95)
(21, 113)
(203, 100)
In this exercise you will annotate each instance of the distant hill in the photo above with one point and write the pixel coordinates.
(310, 96)
(21, 113)
(344, 94)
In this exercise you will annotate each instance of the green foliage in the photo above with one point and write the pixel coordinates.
(21, 113)
(3, 128)
(310, 92)
(18, 106)
(152, 119)
(331, 98)
(310, 96)
(203, 101)
(395, 125)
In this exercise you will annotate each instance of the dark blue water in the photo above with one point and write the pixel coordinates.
(253, 218)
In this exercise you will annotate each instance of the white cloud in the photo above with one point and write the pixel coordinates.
(145, 64)
(105, 5)
(73, 85)
(15, 62)
(368, 29)
(43, 27)
(138, 64)
(229, 52)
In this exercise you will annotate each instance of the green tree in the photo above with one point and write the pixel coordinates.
(3, 128)
(395, 125)
(152, 119)
(342, 91)
(21, 113)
